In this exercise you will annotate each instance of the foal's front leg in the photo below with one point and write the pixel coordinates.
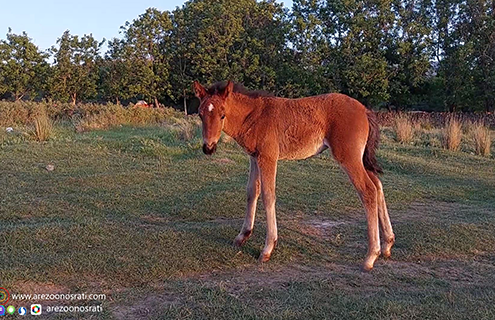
(268, 173)
(253, 192)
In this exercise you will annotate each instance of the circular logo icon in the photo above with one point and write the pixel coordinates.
(10, 309)
(22, 311)
(4, 296)
(35, 309)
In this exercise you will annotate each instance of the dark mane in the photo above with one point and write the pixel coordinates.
(238, 88)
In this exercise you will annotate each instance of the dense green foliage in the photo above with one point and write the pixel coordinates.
(434, 55)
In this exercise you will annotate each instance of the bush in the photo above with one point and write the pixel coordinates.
(184, 128)
(481, 138)
(452, 134)
(43, 126)
(404, 129)
(426, 124)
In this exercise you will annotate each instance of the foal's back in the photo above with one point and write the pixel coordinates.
(304, 127)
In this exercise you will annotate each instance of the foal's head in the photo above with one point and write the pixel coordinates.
(212, 113)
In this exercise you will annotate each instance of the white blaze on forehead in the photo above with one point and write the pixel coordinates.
(210, 107)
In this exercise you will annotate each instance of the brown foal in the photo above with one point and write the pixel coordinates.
(271, 128)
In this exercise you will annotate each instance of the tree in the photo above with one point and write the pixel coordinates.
(465, 50)
(22, 67)
(181, 75)
(116, 73)
(435, 54)
(75, 73)
(264, 42)
(408, 51)
(345, 42)
(479, 27)
(309, 56)
(217, 40)
(146, 51)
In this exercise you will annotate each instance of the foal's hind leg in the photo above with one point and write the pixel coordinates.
(367, 192)
(388, 233)
(253, 193)
(268, 173)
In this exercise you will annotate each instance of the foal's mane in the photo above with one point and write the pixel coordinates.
(238, 88)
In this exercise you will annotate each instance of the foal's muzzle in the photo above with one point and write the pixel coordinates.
(209, 148)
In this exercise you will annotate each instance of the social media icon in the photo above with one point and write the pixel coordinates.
(36, 309)
(10, 309)
(22, 311)
(4, 296)
(2, 310)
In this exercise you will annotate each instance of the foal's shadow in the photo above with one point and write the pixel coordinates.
(292, 242)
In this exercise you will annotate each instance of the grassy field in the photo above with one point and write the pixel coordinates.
(140, 214)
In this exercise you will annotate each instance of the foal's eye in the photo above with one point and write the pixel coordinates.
(222, 117)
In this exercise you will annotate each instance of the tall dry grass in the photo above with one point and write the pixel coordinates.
(185, 129)
(481, 138)
(94, 116)
(404, 128)
(43, 125)
(452, 134)
(84, 116)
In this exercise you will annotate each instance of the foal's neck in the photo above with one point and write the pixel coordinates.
(240, 107)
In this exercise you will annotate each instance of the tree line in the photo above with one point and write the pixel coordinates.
(396, 54)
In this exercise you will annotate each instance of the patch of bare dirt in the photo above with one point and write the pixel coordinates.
(394, 275)
(146, 307)
(154, 219)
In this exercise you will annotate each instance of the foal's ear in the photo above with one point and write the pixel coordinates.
(199, 90)
(228, 90)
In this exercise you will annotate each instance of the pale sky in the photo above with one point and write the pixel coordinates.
(46, 20)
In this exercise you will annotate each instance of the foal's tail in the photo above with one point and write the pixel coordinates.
(369, 156)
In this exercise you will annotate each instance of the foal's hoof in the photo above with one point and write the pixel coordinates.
(242, 238)
(386, 254)
(266, 254)
(263, 258)
(366, 268)
(387, 248)
(239, 242)
(369, 262)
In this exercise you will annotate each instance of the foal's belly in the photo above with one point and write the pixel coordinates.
(303, 150)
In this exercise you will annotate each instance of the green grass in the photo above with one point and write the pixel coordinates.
(144, 216)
